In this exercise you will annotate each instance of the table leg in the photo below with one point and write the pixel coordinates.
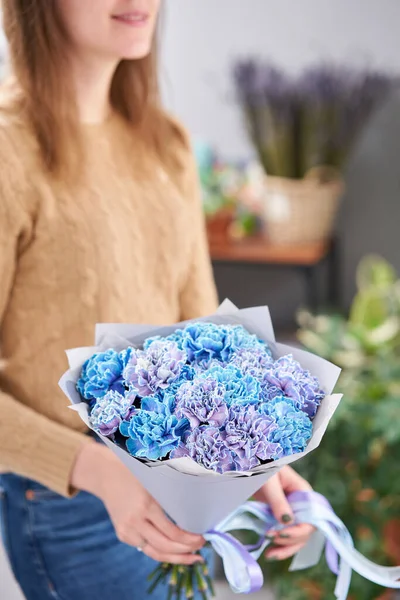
(312, 296)
(334, 291)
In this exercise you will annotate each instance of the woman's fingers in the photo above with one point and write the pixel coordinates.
(160, 542)
(293, 535)
(274, 495)
(191, 541)
(177, 559)
(284, 552)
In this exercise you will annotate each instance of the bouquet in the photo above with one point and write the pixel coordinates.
(203, 412)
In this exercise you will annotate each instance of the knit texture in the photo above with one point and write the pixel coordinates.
(126, 245)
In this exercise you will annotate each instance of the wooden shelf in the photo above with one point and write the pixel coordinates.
(259, 250)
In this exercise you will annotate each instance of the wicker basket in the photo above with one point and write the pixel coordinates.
(302, 211)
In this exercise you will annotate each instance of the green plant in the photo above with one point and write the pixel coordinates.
(357, 464)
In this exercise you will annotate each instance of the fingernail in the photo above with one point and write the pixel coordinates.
(199, 559)
(286, 518)
(284, 535)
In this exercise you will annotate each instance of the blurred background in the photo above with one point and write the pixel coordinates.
(294, 111)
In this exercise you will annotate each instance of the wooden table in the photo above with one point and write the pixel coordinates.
(305, 257)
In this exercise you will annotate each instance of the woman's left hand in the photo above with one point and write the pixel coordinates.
(289, 541)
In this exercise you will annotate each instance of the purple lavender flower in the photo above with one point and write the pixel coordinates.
(109, 412)
(100, 373)
(252, 361)
(153, 432)
(202, 401)
(206, 446)
(239, 388)
(287, 377)
(293, 427)
(154, 369)
(248, 436)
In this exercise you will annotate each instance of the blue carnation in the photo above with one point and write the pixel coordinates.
(176, 337)
(153, 431)
(203, 342)
(287, 377)
(239, 388)
(237, 337)
(100, 373)
(294, 427)
(109, 411)
(155, 369)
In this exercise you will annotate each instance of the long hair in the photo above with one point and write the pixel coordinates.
(38, 52)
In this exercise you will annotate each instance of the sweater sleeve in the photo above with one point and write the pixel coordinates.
(199, 296)
(31, 445)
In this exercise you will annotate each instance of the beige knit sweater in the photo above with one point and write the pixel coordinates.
(127, 245)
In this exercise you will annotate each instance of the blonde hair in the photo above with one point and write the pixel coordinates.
(37, 45)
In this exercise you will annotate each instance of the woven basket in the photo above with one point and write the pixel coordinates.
(302, 211)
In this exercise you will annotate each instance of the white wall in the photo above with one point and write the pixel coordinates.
(203, 37)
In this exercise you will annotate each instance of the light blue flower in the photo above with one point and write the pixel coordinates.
(237, 337)
(177, 337)
(100, 373)
(109, 411)
(203, 341)
(153, 431)
(206, 446)
(239, 388)
(287, 375)
(149, 371)
(294, 427)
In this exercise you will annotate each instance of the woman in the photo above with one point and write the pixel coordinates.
(100, 221)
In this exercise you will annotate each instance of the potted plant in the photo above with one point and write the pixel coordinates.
(304, 129)
(358, 461)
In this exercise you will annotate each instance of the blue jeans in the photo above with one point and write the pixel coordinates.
(66, 549)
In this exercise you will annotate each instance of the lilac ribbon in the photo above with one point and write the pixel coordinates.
(240, 562)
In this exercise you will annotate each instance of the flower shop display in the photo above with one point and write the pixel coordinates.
(232, 195)
(203, 413)
(304, 129)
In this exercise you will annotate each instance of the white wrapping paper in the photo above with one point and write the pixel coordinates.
(197, 499)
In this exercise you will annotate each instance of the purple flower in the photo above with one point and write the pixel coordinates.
(154, 369)
(248, 436)
(206, 446)
(153, 431)
(253, 361)
(101, 373)
(294, 427)
(286, 377)
(109, 412)
(239, 388)
(202, 401)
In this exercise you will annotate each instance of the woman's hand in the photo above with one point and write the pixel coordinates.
(138, 519)
(291, 539)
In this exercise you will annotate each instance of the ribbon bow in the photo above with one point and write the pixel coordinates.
(243, 572)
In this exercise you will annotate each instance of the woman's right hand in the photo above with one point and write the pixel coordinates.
(138, 519)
